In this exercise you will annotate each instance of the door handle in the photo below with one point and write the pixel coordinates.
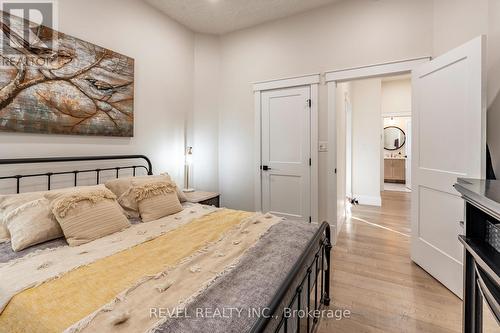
(265, 168)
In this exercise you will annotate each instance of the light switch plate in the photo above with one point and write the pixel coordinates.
(323, 146)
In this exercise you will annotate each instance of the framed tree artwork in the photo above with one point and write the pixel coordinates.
(71, 87)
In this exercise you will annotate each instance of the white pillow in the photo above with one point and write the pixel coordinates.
(32, 223)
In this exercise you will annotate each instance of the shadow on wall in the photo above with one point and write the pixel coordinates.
(494, 133)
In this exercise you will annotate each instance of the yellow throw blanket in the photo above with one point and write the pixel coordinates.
(57, 304)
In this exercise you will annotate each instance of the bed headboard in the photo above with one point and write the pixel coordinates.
(146, 165)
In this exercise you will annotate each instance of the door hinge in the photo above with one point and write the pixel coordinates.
(335, 170)
(309, 103)
(310, 162)
(310, 219)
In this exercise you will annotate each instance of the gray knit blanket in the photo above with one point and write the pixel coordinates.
(233, 302)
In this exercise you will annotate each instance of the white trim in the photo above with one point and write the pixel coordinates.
(369, 200)
(331, 193)
(392, 68)
(288, 82)
(313, 82)
(332, 78)
(257, 153)
(314, 153)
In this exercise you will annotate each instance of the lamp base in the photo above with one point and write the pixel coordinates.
(188, 190)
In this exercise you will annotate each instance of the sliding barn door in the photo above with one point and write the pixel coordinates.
(286, 152)
(448, 143)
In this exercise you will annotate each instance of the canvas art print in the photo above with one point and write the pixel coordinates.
(70, 87)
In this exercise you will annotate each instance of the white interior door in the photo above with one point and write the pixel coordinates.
(408, 155)
(286, 152)
(448, 142)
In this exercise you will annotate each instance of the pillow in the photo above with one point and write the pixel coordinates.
(11, 202)
(121, 185)
(154, 200)
(4, 233)
(88, 214)
(32, 223)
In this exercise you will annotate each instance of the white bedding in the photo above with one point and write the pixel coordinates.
(45, 264)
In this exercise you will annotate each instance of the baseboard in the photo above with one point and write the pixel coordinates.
(395, 181)
(369, 200)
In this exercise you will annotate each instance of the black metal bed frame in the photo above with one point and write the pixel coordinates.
(49, 175)
(313, 259)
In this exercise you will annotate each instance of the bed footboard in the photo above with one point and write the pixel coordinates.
(297, 303)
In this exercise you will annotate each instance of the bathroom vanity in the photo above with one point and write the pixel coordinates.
(394, 170)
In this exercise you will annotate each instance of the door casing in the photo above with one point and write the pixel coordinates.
(332, 78)
(312, 81)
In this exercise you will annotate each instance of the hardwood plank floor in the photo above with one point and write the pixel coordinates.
(374, 278)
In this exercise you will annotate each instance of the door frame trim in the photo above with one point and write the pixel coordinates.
(258, 88)
(332, 78)
(287, 82)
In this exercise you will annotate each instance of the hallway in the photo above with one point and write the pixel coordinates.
(374, 277)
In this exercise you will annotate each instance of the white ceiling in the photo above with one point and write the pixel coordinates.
(223, 16)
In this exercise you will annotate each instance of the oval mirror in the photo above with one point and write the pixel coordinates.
(394, 138)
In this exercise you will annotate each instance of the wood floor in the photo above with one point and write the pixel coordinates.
(375, 279)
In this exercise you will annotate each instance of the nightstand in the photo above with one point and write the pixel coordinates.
(204, 198)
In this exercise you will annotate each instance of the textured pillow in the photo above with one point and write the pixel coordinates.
(121, 185)
(154, 200)
(11, 202)
(32, 223)
(4, 233)
(88, 214)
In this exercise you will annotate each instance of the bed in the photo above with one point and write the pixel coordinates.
(234, 271)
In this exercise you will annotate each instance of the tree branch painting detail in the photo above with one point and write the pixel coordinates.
(74, 87)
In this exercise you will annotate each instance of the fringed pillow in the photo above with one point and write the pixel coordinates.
(11, 202)
(32, 223)
(154, 200)
(89, 214)
(121, 185)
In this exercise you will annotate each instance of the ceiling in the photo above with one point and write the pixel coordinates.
(223, 16)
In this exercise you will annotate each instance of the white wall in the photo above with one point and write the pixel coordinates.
(396, 96)
(346, 34)
(204, 123)
(458, 21)
(163, 53)
(366, 136)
